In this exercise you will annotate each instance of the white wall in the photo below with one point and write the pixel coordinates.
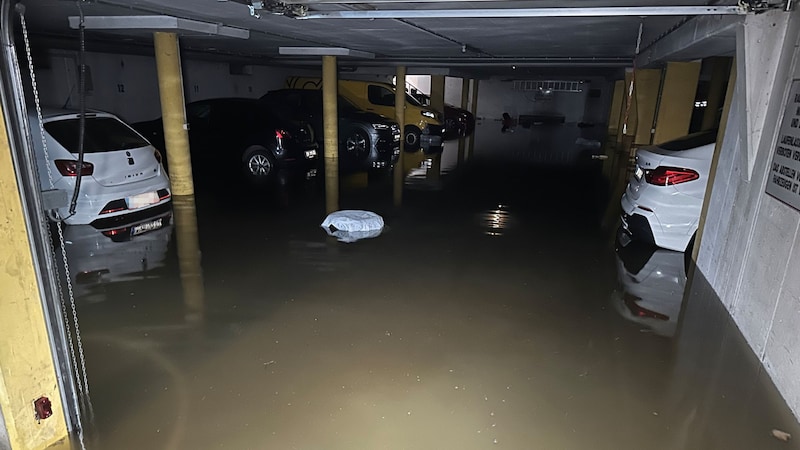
(750, 249)
(127, 85)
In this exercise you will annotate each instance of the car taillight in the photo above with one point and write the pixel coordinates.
(668, 176)
(638, 311)
(69, 168)
(280, 134)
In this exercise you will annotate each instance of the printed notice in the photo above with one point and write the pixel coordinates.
(783, 179)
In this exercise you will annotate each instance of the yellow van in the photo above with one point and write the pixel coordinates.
(423, 127)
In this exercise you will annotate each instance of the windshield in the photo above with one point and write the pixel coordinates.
(103, 134)
(413, 101)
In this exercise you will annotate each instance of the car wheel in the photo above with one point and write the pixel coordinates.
(259, 164)
(357, 144)
(412, 138)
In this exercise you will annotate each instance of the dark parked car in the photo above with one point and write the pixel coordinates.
(367, 140)
(457, 122)
(241, 134)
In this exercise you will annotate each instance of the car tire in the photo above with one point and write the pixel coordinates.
(259, 165)
(357, 144)
(412, 135)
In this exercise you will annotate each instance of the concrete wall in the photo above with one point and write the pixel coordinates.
(750, 248)
(127, 85)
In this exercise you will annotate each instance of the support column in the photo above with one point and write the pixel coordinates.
(720, 71)
(474, 110)
(189, 258)
(400, 118)
(464, 102)
(437, 103)
(330, 118)
(677, 101)
(614, 118)
(173, 112)
(27, 368)
(646, 90)
(712, 172)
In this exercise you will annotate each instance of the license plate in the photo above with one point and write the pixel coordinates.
(142, 200)
(638, 173)
(147, 226)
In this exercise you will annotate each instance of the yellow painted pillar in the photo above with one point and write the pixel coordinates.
(27, 369)
(189, 260)
(720, 72)
(330, 118)
(437, 103)
(648, 82)
(677, 100)
(474, 110)
(614, 117)
(400, 118)
(464, 102)
(173, 112)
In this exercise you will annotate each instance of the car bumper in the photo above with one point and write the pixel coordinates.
(644, 225)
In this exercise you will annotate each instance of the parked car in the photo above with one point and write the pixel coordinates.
(240, 135)
(367, 141)
(458, 122)
(665, 194)
(422, 128)
(121, 175)
(653, 281)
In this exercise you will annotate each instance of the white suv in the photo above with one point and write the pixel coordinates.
(662, 202)
(122, 176)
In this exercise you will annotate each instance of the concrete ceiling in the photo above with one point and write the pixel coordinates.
(469, 46)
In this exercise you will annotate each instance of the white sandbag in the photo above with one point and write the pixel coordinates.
(351, 225)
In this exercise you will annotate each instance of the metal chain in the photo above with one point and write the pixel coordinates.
(83, 388)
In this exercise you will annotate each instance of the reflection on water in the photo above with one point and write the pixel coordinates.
(495, 221)
(653, 282)
(129, 252)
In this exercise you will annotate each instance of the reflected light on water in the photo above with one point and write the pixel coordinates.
(495, 221)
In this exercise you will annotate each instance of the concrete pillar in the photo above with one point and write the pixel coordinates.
(712, 173)
(400, 118)
(720, 72)
(474, 110)
(330, 118)
(678, 93)
(173, 112)
(27, 369)
(464, 102)
(437, 103)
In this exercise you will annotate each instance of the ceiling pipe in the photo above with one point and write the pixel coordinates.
(610, 11)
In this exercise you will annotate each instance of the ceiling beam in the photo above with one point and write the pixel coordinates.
(324, 51)
(610, 11)
(686, 41)
(157, 23)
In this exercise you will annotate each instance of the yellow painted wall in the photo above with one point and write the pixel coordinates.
(648, 82)
(677, 100)
(26, 364)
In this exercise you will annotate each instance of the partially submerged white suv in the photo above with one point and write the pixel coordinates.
(121, 177)
(665, 194)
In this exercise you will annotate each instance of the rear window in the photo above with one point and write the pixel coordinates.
(103, 134)
(691, 141)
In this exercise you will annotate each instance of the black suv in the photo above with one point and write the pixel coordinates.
(241, 134)
(367, 141)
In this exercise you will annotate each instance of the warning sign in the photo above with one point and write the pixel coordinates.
(783, 179)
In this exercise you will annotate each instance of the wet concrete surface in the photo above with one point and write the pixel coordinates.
(491, 313)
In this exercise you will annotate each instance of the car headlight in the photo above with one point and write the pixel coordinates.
(429, 114)
(380, 126)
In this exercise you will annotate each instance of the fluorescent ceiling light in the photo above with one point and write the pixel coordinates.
(157, 23)
(610, 11)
